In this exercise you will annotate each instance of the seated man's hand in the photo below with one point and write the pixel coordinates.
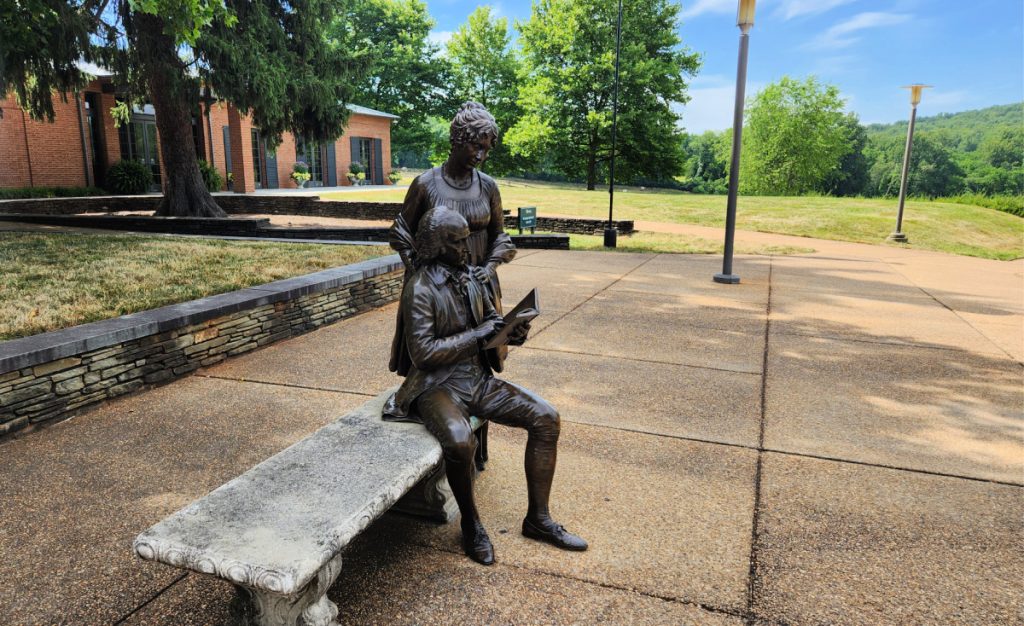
(489, 328)
(518, 336)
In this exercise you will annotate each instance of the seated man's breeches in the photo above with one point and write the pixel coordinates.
(446, 408)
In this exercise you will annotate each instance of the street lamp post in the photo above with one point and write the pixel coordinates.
(610, 234)
(915, 99)
(745, 20)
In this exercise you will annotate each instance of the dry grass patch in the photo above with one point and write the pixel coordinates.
(53, 281)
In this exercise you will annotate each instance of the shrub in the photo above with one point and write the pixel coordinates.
(21, 193)
(300, 173)
(211, 177)
(1012, 204)
(129, 178)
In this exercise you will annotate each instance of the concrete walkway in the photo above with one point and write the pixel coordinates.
(838, 439)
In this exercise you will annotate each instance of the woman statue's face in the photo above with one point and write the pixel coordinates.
(472, 154)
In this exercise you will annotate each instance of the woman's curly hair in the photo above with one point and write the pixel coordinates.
(433, 230)
(471, 123)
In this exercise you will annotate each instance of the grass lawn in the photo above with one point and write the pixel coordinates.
(673, 243)
(945, 227)
(53, 281)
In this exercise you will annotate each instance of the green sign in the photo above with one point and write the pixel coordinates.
(527, 217)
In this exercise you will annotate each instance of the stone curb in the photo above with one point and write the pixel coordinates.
(45, 347)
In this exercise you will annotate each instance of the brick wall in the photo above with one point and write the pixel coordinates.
(47, 392)
(14, 163)
(41, 154)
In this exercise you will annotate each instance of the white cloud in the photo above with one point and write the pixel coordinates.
(699, 7)
(843, 34)
(795, 8)
(712, 99)
(440, 37)
(945, 100)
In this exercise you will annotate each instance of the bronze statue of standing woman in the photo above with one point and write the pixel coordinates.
(451, 238)
(458, 185)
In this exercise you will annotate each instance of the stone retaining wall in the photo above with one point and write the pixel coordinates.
(235, 204)
(571, 225)
(48, 377)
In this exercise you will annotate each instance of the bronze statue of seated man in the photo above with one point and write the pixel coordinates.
(448, 318)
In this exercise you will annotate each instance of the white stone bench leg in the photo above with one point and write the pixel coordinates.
(431, 498)
(310, 607)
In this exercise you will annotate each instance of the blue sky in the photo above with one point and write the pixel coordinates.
(972, 52)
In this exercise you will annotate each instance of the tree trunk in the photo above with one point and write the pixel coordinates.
(185, 193)
(592, 167)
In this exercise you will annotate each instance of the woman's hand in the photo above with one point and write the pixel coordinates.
(481, 273)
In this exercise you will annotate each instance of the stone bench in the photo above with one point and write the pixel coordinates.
(277, 531)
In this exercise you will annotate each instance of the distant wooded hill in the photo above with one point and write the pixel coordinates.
(962, 131)
(977, 156)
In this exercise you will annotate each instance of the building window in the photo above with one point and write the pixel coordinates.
(257, 158)
(138, 142)
(365, 154)
(312, 153)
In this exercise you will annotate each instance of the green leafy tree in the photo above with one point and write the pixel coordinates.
(1004, 147)
(568, 78)
(851, 177)
(269, 57)
(796, 135)
(407, 75)
(485, 69)
(933, 172)
(707, 161)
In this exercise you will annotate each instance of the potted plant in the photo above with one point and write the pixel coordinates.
(394, 176)
(300, 173)
(361, 177)
(355, 172)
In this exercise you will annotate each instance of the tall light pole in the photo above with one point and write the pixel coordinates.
(915, 99)
(745, 20)
(610, 234)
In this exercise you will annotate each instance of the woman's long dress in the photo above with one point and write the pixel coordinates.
(488, 242)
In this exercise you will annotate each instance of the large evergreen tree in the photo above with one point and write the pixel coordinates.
(568, 78)
(268, 57)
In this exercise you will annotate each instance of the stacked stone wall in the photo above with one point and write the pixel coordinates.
(53, 390)
(287, 205)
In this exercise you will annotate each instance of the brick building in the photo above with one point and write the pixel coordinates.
(78, 147)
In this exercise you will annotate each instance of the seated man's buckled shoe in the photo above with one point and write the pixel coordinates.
(555, 534)
(477, 546)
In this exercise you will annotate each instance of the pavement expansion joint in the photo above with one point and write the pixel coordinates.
(879, 342)
(639, 431)
(159, 593)
(597, 293)
(754, 530)
(895, 468)
(953, 311)
(289, 385)
(651, 361)
(704, 607)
